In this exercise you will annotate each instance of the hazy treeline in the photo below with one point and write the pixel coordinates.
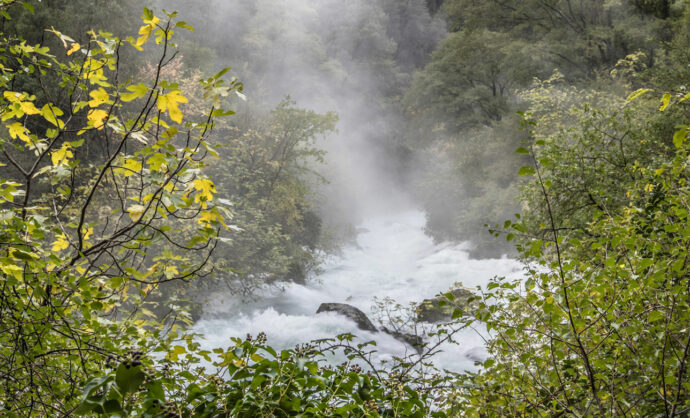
(462, 106)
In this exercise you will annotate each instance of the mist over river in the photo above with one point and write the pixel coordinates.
(392, 258)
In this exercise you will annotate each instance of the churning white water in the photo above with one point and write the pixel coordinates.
(392, 258)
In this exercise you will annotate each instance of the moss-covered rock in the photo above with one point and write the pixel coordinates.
(441, 308)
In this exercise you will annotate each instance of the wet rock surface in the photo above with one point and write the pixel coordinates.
(351, 312)
(364, 323)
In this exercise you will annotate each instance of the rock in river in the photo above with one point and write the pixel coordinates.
(432, 310)
(365, 324)
(351, 312)
(415, 341)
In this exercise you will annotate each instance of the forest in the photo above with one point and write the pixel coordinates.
(502, 186)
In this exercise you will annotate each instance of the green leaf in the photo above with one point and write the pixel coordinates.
(21, 255)
(135, 91)
(217, 113)
(50, 113)
(526, 171)
(680, 136)
(665, 101)
(184, 25)
(128, 379)
(655, 316)
(112, 406)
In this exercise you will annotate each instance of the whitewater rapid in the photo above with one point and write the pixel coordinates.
(392, 258)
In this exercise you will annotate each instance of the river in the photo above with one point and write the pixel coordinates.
(392, 258)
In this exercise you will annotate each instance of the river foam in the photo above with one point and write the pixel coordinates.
(391, 258)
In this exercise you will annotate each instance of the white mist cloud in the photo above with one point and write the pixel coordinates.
(351, 57)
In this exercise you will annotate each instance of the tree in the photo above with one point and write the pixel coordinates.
(470, 80)
(267, 173)
(599, 326)
(84, 244)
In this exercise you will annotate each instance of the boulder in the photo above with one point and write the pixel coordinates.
(432, 310)
(477, 354)
(365, 324)
(351, 312)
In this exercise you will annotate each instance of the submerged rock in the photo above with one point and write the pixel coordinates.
(351, 312)
(365, 324)
(477, 354)
(441, 309)
(415, 341)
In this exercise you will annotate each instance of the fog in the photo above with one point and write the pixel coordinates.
(352, 57)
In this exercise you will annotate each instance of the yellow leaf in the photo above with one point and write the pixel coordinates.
(135, 212)
(157, 162)
(206, 189)
(665, 101)
(60, 243)
(98, 97)
(17, 130)
(12, 96)
(137, 90)
(62, 155)
(637, 93)
(28, 108)
(208, 217)
(13, 270)
(50, 113)
(145, 31)
(18, 108)
(12, 111)
(146, 311)
(151, 270)
(131, 167)
(175, 352)
(156, 121)
(170, 102)
(97, 77)
(75, 47)
(97, 116)
(171, 271)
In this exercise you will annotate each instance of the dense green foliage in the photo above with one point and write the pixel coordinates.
(77, 237)
(487, 69)
(600, 326)
(266, 173)
(255, 380)
(125, 188)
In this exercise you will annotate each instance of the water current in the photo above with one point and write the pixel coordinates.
(392, 258)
